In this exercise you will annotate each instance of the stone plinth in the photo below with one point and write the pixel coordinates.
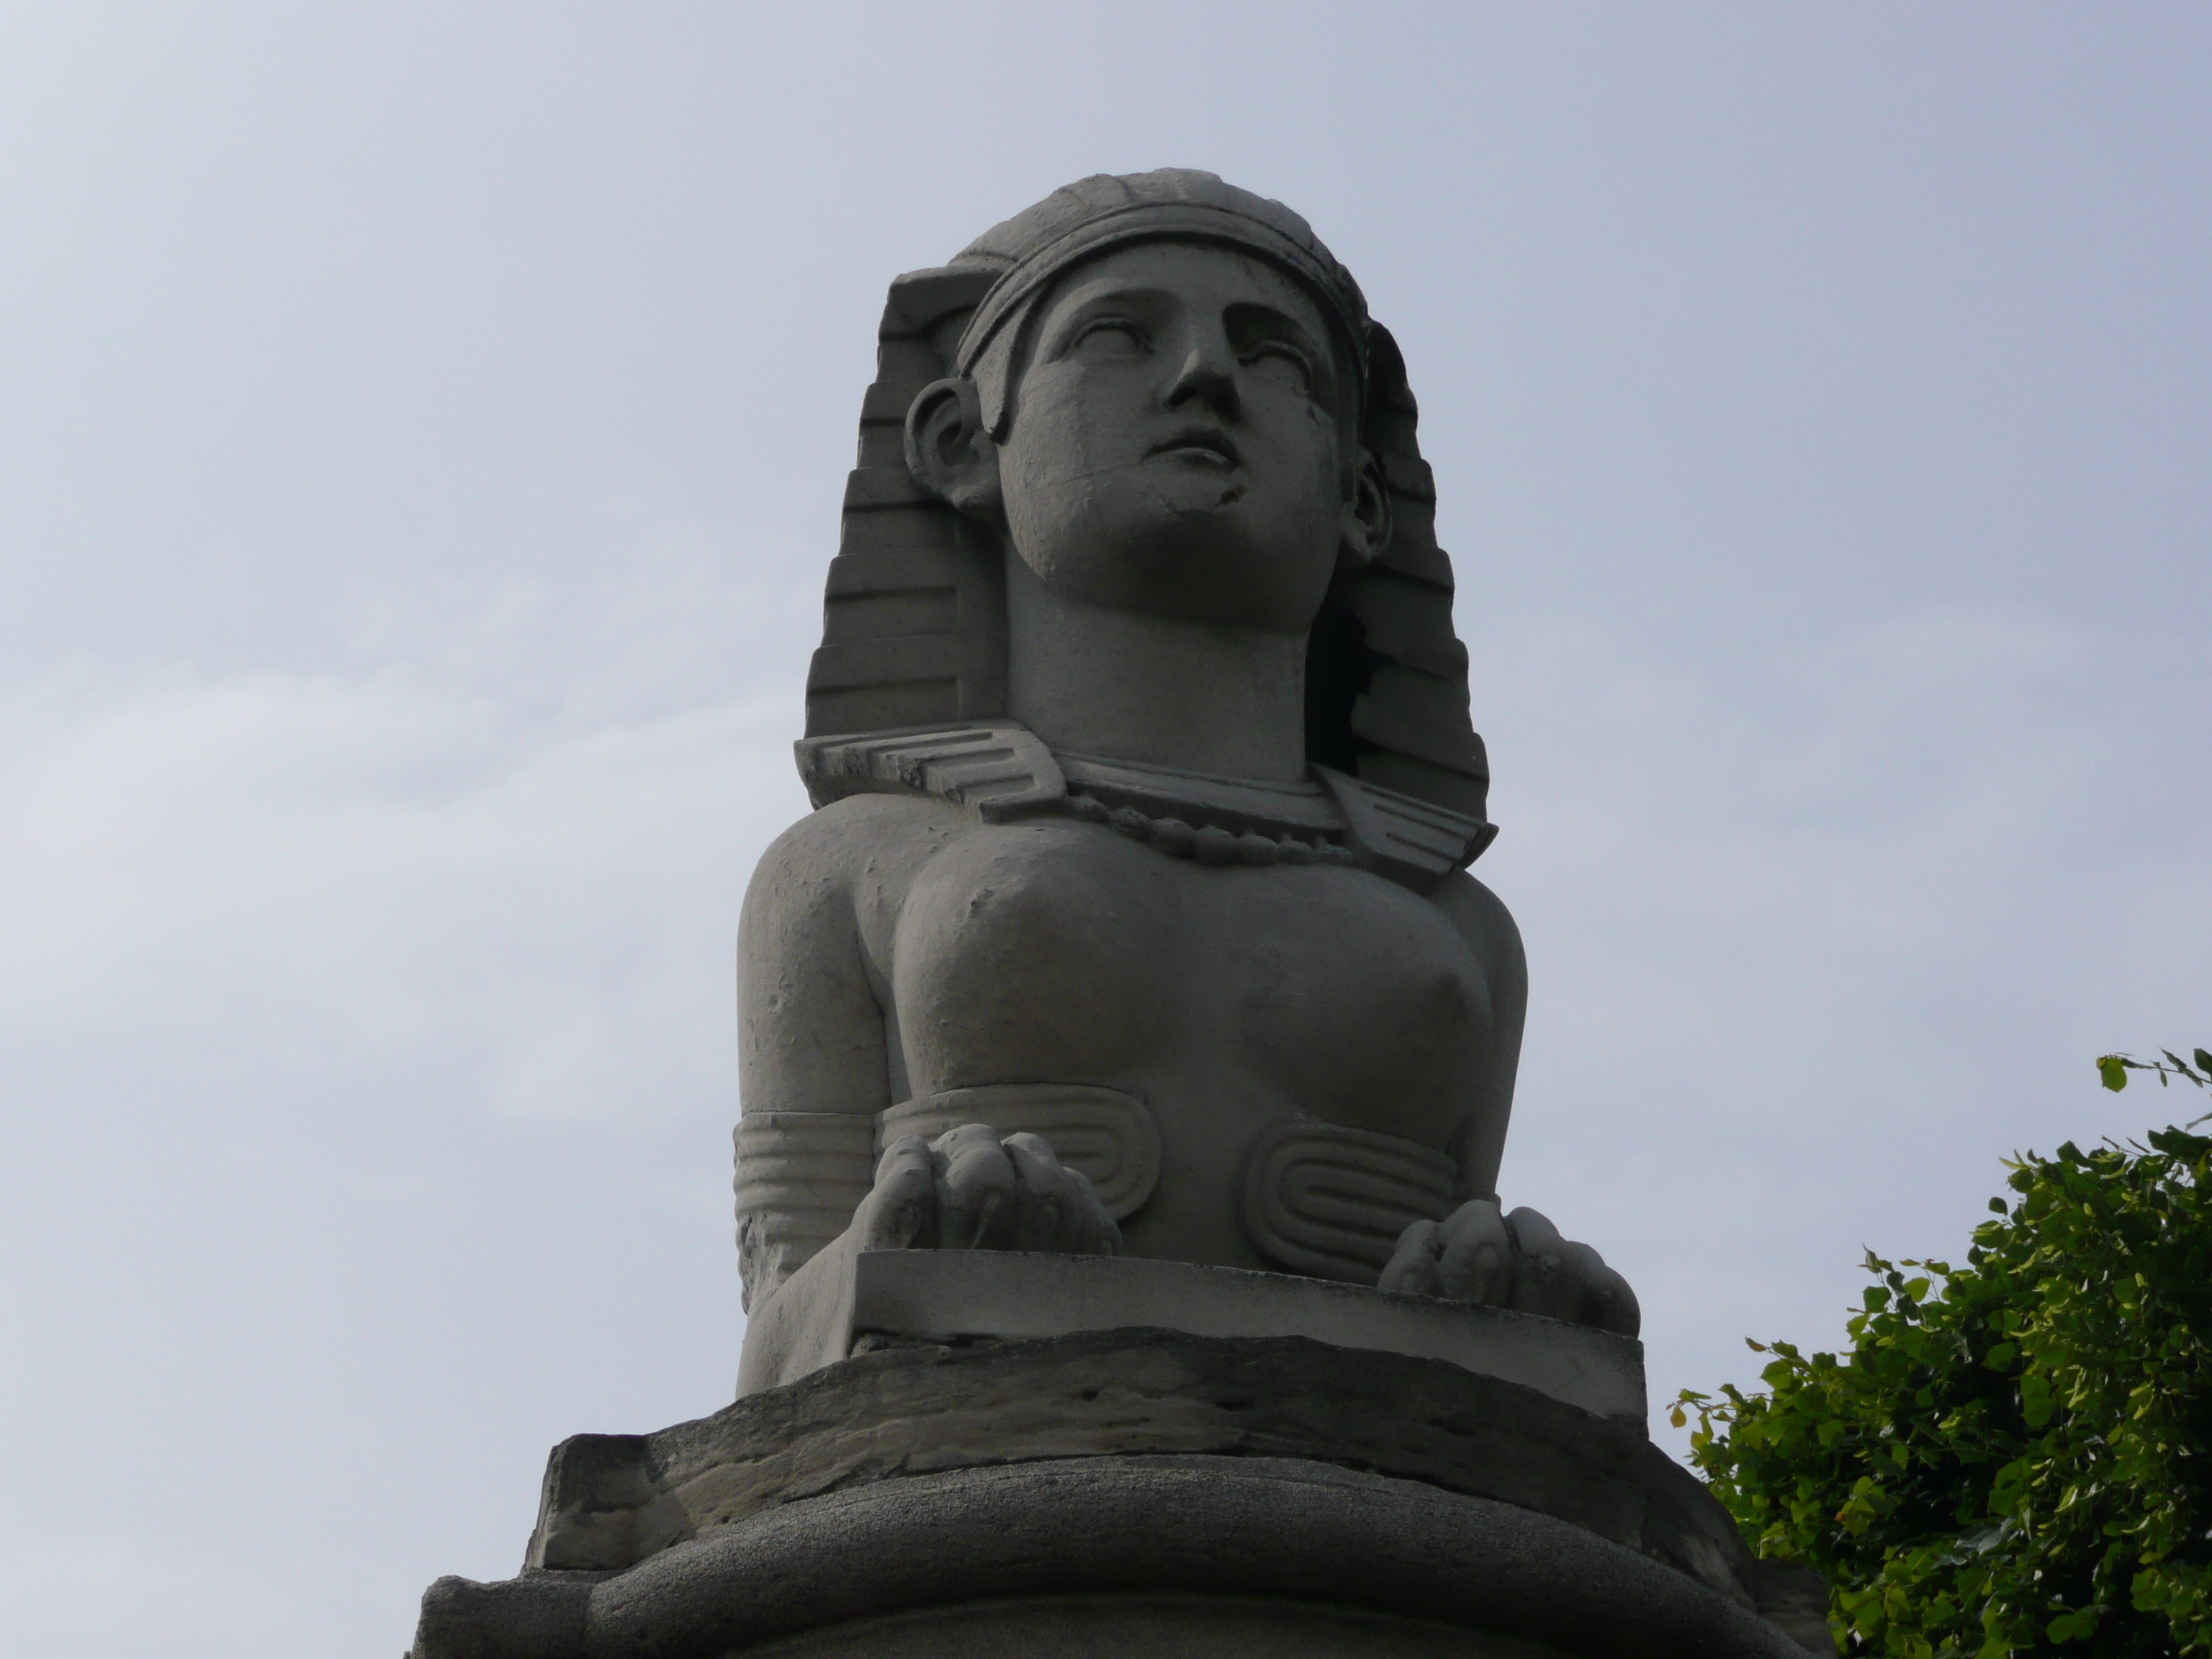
(843, 1297)
(1262, 1556)
(1122, 1491)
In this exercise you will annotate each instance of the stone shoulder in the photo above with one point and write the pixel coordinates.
(856, 844)
(1487, 925)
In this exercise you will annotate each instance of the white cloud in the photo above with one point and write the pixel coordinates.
(425, 855)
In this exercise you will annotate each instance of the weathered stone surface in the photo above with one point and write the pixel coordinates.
(611, 1501)
(1158, 1627)
(1140, 744)
(956, 1294)
(1133, 921)
(1290, 1533)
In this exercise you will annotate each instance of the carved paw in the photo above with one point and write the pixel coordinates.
(969, 1190)
(1518, 1261)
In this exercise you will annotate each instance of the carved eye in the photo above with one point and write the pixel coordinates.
(1109, 337)
(1281, 365)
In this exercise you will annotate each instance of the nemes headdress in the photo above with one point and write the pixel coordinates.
(1098, 214)
(914, 634)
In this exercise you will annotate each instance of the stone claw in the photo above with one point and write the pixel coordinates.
(1519, 1262)
(970, 1190)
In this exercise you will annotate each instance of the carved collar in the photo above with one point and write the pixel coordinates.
(1001, 771)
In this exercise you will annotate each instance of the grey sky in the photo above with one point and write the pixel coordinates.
(422, 429)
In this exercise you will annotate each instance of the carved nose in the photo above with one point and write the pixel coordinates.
(1203, 378)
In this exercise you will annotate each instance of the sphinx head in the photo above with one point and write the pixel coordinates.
(1159, 408)
(1159, 394)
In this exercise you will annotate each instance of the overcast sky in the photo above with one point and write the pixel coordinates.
(422, 432)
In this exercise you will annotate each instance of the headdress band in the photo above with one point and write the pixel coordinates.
(1192, 221)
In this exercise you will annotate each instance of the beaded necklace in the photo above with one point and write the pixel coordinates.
(1001, 771)
(1206, 843)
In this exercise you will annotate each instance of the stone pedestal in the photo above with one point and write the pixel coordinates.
(1143, 1490)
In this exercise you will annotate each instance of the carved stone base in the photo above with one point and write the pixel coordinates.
(1157, 1627)
(1129, 1492)
(846, 1297)
(1261, 1557)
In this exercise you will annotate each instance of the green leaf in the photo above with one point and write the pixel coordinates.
(2069, 1625)
(2016, 1465)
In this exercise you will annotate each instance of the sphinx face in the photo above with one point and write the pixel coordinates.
(1177, 446)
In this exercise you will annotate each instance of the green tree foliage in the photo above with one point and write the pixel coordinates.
(2012, 1455)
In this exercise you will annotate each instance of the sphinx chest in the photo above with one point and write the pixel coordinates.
(1059, 951)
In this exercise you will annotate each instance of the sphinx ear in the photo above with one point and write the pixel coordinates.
(948, 450)
(1366, 526)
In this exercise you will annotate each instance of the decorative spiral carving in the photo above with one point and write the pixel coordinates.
(800, 1176)
(1107, 1135)
(1331, 1202)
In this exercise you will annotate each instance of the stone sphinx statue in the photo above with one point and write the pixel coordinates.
(1133, 915)
(1126, 1054)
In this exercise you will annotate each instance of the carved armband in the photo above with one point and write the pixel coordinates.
(1110, 1137)
(800, 1176)
(1331, 1202)
(1318, 1197)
